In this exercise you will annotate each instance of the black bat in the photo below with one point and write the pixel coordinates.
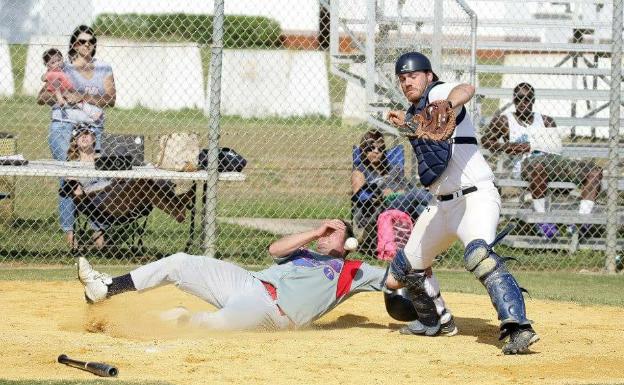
(98, 368)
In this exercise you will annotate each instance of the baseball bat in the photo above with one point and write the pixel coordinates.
(97, 368)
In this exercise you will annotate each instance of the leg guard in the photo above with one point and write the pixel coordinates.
(414, 281)
(489, 268)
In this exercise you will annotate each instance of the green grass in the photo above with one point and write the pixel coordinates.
(586, 289)
(297, 168)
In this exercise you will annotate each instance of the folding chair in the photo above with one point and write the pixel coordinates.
(124, 232)
(367, 203)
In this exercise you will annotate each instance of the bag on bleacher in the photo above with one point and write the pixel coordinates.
(178, 152)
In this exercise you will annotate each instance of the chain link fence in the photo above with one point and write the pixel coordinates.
(293, 91)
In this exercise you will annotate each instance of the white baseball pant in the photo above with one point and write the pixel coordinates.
(469, 217)
(242, 299)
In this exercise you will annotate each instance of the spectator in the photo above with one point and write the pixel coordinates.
(378, 185)
(536, 141)
(58, 82)
(93, 84)
(106, 200)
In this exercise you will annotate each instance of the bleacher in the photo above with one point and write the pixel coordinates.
(562, 48)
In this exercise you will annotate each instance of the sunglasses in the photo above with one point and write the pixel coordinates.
(91, 41)
(373, 147)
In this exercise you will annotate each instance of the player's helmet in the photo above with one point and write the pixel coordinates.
(413, 61)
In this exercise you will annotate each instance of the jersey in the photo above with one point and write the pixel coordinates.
(467, 167)
(92, 86)
(310, 284)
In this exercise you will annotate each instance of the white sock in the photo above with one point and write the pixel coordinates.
(539, 205)
(586, 206)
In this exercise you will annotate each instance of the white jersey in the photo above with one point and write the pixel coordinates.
(467, 166)
(541, 138)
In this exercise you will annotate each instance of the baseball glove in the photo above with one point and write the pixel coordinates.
(435, 122)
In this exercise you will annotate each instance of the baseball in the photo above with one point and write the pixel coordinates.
(351, 244)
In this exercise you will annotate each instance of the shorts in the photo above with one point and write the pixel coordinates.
(558, 168)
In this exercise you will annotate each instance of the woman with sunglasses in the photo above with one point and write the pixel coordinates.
(94, 84)
(378, 185)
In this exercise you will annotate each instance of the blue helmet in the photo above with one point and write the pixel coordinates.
(413, 61)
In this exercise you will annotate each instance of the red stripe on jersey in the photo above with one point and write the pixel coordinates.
(347, 274)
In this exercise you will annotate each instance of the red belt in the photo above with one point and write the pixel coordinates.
(273, 293)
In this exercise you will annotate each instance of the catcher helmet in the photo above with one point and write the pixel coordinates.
(413, 61)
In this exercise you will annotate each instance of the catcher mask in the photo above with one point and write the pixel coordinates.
(411, 62)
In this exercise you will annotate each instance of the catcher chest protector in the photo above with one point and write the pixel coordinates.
(433, 155)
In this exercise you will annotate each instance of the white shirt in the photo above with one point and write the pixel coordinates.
(541, 138)
(467, 166)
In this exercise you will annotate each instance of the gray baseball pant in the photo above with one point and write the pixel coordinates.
(241, 299)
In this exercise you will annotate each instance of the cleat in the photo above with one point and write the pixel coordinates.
(447, 329)
(179, 315)
(520, 338)
(94, 282)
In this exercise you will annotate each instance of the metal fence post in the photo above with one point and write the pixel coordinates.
(614, 128)
(209, 216)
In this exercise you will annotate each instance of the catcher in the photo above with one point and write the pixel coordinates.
(466, 204)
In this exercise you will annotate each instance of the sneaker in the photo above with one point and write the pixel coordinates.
(179, 315)
(547, 230)
(520, 338)
(582, 230)
(94, 282)
(447, 329)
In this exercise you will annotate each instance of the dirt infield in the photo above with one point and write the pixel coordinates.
(355, 344)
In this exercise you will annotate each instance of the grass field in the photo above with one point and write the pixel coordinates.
(297, 168)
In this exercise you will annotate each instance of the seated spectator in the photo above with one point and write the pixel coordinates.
(536, 141)
(378, 185)
(106, 200)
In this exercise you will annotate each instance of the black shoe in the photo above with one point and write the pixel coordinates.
(520, 338)
(448, 328)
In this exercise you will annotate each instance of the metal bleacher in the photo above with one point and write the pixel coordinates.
(565, 42)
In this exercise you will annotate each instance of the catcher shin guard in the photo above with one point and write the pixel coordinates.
(414, 282)
(504, 291)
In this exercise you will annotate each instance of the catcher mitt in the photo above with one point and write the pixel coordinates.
(435, 122)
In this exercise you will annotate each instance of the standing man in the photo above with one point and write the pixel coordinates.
(299, 288)
(466, 205)
(534, 138)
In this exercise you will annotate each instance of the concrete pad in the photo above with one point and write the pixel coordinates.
(7, 83)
